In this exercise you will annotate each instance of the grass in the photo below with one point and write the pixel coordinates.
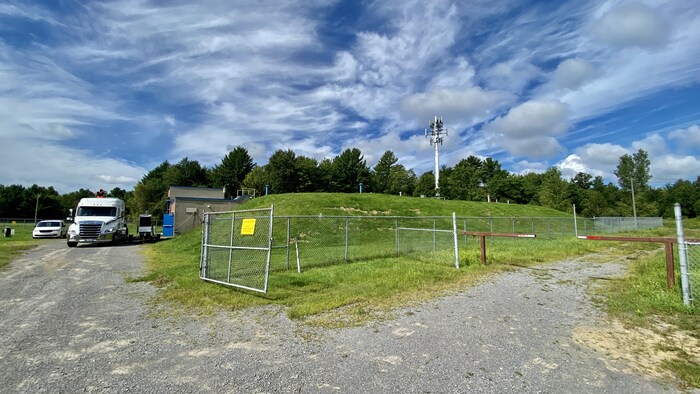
(12, 247)
(347, 293)
(339, 204)
(642, 299)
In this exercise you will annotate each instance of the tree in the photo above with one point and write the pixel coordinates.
(150, 193)
(308, 174)
(554, 191)
(327, 183)
(282, 171)
(349, 170)
(465, 181)
(232, 171)
(186, 173)
(257, 179)
(401, 181)
(425, 185)
(381, 176)
(634, 171)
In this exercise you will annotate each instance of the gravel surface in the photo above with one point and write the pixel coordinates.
(70, 322)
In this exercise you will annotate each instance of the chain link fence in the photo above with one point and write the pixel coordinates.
(312, 241)
(236, 248)
(315, 241)
(693, 253)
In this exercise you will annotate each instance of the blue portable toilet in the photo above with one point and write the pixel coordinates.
(168, 221)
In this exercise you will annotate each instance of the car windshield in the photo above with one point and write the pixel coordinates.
(97, 211)
(49, 224)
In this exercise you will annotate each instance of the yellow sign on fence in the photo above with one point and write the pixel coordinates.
(248, 227)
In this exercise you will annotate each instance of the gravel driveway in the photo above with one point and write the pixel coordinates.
(71, 323)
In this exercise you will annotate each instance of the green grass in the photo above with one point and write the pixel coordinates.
(338, 204)
(12, 247)
(642, 299)
(347, 293)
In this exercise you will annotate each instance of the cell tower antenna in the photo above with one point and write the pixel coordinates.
(436, 133)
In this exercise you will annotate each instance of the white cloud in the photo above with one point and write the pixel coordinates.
(572, 73)
(669, 168)
(632, 24)
(525, 167)
(66, 169)
(512, 75)
(688, 138)
(532, 119)
(653, 143)
(595, 159)
(455, 106)
(528, 130)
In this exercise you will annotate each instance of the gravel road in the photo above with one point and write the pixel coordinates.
(70, 322)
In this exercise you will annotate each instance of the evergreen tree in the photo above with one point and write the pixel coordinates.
(349, 170)
(381, 176)
(282, 171)
(232, 171)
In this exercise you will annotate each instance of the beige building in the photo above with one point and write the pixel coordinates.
(188, 205)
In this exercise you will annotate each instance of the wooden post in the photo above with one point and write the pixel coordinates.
(483, 249)
(670, 274)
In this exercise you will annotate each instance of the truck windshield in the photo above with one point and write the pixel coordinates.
(97, 211)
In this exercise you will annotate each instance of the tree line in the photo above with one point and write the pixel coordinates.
(471, 179)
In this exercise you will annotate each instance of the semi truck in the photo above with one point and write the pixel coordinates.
(98, 220)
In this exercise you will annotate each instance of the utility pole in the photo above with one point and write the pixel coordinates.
(36, 208)
(436, 137)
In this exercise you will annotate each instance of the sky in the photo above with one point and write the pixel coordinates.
(96, 94)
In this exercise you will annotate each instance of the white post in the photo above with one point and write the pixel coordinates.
(454, 229)
(575, 223)
(682, 256)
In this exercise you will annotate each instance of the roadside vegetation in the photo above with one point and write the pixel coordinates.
(352, 293)
(12, 247)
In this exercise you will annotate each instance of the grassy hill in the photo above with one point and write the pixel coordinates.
(355, 204)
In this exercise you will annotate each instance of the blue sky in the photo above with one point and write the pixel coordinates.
(96, 94)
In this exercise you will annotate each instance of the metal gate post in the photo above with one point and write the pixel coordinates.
(289, 234)
(346, 240)
(230, 249)
(456, 240)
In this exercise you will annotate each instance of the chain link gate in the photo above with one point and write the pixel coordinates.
(236, 248)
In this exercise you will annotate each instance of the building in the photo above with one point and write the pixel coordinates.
(187, 206)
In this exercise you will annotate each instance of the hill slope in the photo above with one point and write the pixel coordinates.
(342, 204)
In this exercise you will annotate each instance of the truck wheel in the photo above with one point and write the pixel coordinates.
(72, 244)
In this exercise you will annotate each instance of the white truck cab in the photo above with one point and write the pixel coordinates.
(98, 220)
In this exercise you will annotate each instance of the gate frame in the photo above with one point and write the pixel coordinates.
(203, 266)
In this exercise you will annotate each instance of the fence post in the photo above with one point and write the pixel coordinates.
(289, 234)
(491, 226)
(346, 240)
(456, 240)
(682, 257)
(549, 228)
(397, 237)
(575, 223)
(465, 230)
(434, 237)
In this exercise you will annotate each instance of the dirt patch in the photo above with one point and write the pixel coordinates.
(645, 350)
(373, 212)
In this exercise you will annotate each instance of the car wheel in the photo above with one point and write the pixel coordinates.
(72, 244)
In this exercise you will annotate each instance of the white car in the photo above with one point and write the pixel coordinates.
(50, 228)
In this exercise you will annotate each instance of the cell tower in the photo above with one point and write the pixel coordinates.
(436, 133)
